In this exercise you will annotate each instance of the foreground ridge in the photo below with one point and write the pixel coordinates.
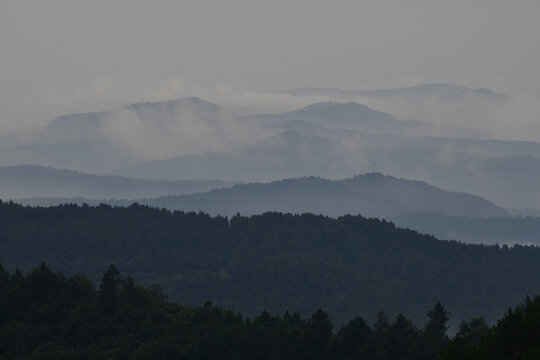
(124, 320)
(349, 266)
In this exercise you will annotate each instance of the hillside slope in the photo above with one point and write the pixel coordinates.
(354, 116)
(373, 195)
(27, 181)
(506, 230)
(349, 266)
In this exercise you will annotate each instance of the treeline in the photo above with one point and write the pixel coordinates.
(348, 266)
(46, 315)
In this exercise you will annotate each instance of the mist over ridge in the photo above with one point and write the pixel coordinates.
(409, 204)
(33, 181)
(269, 160)
(191, 138)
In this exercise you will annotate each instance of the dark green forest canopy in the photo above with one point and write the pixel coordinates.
(47, 315)
(348, 266)
(515, 336)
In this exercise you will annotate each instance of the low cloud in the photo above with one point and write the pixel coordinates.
(162, 130)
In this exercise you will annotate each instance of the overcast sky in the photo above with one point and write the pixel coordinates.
(58, 57)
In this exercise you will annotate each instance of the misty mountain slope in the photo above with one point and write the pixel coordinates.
(372, 195)
(449, 108)
(509, 181)
(451, 215)
(304, 151)
(26, 181)
(101, 141)
(509, 168)
(288, 154)
(81, 124)
(495, 230)
(155, 117)
(191, 138)
(91, 124)
(340, 115)
(94, 155)
(354, 116)
(515, 179)
(441, 90)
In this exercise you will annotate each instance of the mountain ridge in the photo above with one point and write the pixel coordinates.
(371, 195)
(272, 261)
(40, 181)
(437, 89)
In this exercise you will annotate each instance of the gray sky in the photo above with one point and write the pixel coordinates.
(58, 57)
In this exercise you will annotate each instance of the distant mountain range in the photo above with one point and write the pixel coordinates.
(412, 204)
(100, 141)
(103, 141)
(159, 113)
(372, 195)
(194, 139)
(287, 154)
(37, 181)
(494, 230)
(441, 90)
(511, 181)
(511, 168)
(354, 116)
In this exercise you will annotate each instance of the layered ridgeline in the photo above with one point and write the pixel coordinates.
(442, 104)
(371, 195)
(28, 181)
(349, 266)
(194, 139)
(355, 116)
(511, 168)
(439, 91)
(121, 319)
(411, 204)
(339, 140)
(500, 230)
(101, 141)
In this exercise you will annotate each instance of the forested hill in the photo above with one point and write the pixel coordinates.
(349, 265)
(126, 321)
(46, 315)
(373, 195)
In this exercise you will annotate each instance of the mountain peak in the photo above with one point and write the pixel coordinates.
(93, 120)
(420, 90)
(180, 101)
(371, 194)
(187, 101)
(333, 104)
